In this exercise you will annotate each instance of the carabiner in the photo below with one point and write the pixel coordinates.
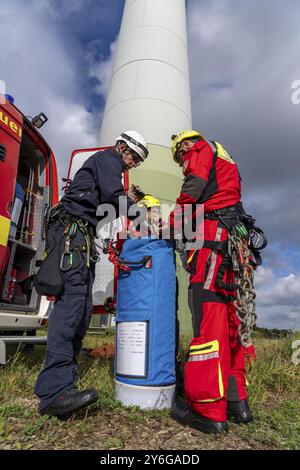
(66, 266)
(66, 262)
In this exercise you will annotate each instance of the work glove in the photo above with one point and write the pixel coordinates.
(135, 193)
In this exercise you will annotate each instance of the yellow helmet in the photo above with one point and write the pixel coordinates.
(177, 139)
(149, 201)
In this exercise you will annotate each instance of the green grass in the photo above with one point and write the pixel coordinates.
(274, 390)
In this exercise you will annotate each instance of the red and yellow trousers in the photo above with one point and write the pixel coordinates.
(215, 369)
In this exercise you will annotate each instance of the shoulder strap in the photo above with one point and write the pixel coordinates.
(218, 149)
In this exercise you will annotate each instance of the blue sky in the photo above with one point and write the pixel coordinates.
(56, 56)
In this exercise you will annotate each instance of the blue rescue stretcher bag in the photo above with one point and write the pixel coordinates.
(146, 314)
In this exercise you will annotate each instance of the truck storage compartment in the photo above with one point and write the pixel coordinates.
(26, 241)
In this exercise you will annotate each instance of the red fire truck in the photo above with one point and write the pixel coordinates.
(29, 187)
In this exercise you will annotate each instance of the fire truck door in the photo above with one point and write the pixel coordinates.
(10, 139)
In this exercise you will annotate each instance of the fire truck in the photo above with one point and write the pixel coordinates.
(28, 189)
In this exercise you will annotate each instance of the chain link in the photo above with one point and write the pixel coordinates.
(245, 302)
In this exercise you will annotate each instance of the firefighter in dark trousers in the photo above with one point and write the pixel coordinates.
(214, 376)
(98, 181)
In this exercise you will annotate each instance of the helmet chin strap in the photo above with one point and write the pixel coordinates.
(120, 151)
(118, 145)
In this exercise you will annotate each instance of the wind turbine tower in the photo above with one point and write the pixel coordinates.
(150, 92)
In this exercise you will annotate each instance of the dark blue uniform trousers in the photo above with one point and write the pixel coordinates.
(67, 325)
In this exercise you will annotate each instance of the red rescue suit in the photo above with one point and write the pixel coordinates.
(215, 370)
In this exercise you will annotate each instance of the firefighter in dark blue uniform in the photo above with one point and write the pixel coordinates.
(74, 223)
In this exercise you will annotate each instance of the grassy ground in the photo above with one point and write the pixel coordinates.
(274, 389)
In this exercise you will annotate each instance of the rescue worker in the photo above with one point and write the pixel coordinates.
(73, 222)
(214, 375)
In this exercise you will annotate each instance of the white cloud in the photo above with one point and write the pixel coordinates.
(58, 8)
(42, 76)
(278, 290)
(102, 70)
(71, 127)
(278, 299)
(208, 21)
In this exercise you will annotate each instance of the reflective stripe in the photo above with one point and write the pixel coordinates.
(4, 230)
(221, 386)
(209, 401)
(195, 356)
(210, 274)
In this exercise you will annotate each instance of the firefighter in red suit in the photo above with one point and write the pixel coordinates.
(214, 376)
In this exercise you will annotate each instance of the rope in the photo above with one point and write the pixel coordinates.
(113, 255)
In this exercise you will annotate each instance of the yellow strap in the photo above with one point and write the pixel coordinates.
(191, 257)
(4, 230)
(88, 251)
(212, 346)
(222, 153)
(28, 190)
(221, 386)
(179, 357)
(210, 400)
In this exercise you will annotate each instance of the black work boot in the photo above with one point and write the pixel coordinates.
(239, 411)
(184, 415)
(70, 401)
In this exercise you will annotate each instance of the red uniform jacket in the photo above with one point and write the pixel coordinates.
(211, 178)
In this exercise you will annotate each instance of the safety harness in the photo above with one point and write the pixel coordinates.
(242, 256)
(70, 258)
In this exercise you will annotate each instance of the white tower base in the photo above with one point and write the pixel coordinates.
(157, 398)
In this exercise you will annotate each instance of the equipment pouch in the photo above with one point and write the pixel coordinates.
(202, 375)
(49, 280)
(258, 240)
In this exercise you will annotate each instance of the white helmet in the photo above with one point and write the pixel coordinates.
(136, 142)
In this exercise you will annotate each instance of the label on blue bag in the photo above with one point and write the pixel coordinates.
(132, 348)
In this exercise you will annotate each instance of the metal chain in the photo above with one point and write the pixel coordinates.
(245, 302)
